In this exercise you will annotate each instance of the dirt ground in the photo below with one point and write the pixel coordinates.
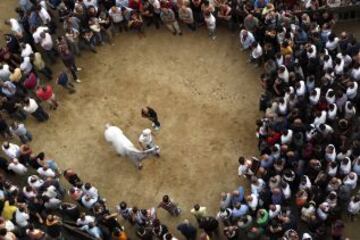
(206, 96)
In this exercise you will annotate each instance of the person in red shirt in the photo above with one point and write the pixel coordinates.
(46, 93)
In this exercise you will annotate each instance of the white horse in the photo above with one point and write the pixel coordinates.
(124, 147)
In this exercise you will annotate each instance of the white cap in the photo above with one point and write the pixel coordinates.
(146, 131)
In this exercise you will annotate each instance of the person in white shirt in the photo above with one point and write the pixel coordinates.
(274, 210)
(332, 168)
(29, 192)
(26, 65)
(354, 207)
(45, 172)
(339, 66)
(246, 39)
(352, 90)
(33, 108)
(287, 136)
(252, 201)
(87, 201)
(26, 51)
(314, 96)
(345, 166)
(300, 88)
(355, 72)
(17, 167)
(351, 180)
(38, 31)
(283, 73)
(35, 182)
(332, 111)
(311, 51)
(5, 73)
(325, 129)
(328, 62)
(16, 27)
(22, 217)
(11, 150)
(282, 107)
(90, 190)
(330, 153)
(44, 15)
(47, 44)
(332, 43)
(117, 19)
(320, 117)
(85, 220)
(210, 21)
(256, 53)
(146, 141)
(89, 3)
(350, 110)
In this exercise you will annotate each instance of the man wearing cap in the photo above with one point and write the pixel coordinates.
(146, 142)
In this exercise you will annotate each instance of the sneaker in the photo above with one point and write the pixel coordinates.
(78, 80)
(140, 167)
(213, 37)
(78, 69)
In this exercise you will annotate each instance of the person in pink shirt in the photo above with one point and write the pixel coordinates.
(46, 93)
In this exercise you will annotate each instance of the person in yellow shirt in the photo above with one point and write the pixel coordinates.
(198, 212)
(286, 48)
(9, 209)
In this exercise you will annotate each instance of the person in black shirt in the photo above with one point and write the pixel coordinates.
(4, 128)
(188, 230)
(13, 109)
(150, 114)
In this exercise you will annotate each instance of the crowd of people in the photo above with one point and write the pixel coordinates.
(302, 184)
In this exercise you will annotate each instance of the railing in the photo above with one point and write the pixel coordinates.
(342, 14)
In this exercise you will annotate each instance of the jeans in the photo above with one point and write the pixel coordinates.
(173, 27)
(50, 55)
(40, 114)
(46, 72)
(27, 137)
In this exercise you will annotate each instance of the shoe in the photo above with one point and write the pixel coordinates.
(78, 80)
(213, 37)
(174, 33)
(140, 167)
(180, 33)
(78, 69)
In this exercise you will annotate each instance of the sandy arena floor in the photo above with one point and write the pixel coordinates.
(206, 96)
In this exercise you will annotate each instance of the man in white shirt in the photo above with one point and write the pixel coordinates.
(47, 44)
(46, 172)
(146, 141)
(21, 217)
(246, 39)
(117, 19)
(11, 150)
(87, 201)
(84, 220)
(16, 28)
(33, 108)
(256, 53)
(90, 190)
(17, 167)
(36, 34)
(35, 182)
(27, 50)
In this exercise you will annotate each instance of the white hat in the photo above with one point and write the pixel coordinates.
(146, 131)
